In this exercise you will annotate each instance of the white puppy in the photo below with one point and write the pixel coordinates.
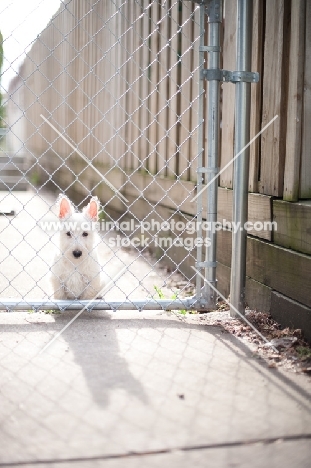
(76, 273)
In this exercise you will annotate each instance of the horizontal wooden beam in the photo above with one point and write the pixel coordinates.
(161, 191)
(283, 270)
(258, 296)
(293, 225)
(177, 195)
(291, 314)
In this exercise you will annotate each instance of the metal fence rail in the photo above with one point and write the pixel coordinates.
(160, 304)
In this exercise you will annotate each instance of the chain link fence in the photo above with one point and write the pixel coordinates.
(103, 150)
(105, 104)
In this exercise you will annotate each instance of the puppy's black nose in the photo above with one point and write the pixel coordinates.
(77, 253)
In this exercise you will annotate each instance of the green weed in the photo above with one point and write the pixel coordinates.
(303, 352)
(173, 297)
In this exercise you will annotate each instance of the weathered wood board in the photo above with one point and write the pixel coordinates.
(293, 225)
(256, 95)
(283, 270)
(228, 95)
(274, 98)
(294, 101)
(305, 169)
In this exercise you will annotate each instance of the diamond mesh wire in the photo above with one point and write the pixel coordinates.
(117, 82)
(105, 104)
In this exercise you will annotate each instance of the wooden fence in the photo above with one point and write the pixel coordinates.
(120, 79)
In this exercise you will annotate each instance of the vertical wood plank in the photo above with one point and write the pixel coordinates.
(109, 121)
(112, 23)
(105, 131)
(68, 51)
(86, 82)
(172, 147)
(228, 93)
(124, 127)
(99, 98)
(92, 82)
(194, 95)
(163, 91)
(128, 44)
(62, 56)
(274, 97)
(135, 90)
(122, 124)
(78, 128)
(185, 88)
(98, 84)
(144, 84)
(154, 81)
(305, 172)
(294, 101)
(256, 94)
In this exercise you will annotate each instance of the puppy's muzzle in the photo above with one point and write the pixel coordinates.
(77, 253)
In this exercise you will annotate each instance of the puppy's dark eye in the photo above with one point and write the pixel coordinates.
(85, 234)
(68, 234)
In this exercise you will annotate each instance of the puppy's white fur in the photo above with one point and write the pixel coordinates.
(76, 273)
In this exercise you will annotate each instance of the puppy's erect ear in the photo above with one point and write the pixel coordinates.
(65, 208)
(91, 210)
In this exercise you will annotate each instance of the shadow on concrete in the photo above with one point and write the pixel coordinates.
(95, 345)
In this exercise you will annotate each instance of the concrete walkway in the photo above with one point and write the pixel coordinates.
(177, 393)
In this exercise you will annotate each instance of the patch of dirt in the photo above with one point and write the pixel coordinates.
(286, 348)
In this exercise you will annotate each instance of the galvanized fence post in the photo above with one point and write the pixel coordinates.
(213, 9)
(241, 164)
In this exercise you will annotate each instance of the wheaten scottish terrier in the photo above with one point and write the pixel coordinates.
(76, 273)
